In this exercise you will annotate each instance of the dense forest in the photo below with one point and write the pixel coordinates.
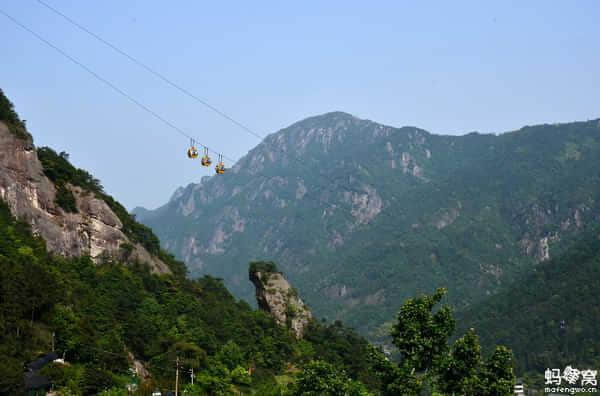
(102, 315)
(396, 212)
(110, 315)
(99, 313)
(527, 315)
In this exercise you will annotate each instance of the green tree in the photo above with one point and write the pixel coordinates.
(240, 376)
(394, 379)
(11, 376)
(213, 384)
(428, 364)
(193, 390)
(319, 378)
(420, 335)
(498, 377)
(230, 355)
(459, 374)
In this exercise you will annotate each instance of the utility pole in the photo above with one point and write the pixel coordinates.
(53, 341)
(192, 375)
(177, 377)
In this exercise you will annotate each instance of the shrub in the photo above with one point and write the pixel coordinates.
(263, 266)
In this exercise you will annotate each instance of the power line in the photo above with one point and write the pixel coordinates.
(108, 83)
(123, 354)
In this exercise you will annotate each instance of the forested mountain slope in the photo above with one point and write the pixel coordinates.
(527, 315)
(79, 274)
(361, 215)
(67, 206)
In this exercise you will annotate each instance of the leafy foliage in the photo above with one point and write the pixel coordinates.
(428, 364)
(11, 118)
(58, 169)
(321, 378)
(65, 199)
(262, 266)
(341, 346)
(421, 336)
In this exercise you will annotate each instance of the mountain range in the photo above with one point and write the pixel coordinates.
(91, 304)
(361, 215)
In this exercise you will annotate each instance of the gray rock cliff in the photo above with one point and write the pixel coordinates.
(275, 295)
(95, 230)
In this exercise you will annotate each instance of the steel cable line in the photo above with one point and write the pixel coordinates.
(170, 82)
(109, 84)
(168, 370)
(145, 108)
(149, 110)
(150, 70)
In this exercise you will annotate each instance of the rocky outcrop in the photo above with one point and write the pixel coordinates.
(95, 230)
(223, 214)
(338, 201)
(276, 296)
(537, 240)
(447, 217)
(139, 368)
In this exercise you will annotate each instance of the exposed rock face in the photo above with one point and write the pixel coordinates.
(339, 201)
(95, 230)
(275, 295)
(140, 369)
(219, 212)
(446, 218)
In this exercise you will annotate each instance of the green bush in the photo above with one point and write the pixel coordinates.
(262, 266)
(11, 118)
(322, 378)
(65, 199)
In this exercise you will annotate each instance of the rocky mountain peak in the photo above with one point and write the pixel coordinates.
(326, 119)
(275, 295)
(177, 194)
(314, 134)
(336, 200)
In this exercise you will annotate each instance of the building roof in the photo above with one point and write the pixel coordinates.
(40, 362)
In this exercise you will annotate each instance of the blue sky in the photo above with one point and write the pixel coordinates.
(448, 67)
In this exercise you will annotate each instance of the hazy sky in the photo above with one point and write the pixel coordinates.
(448, 66)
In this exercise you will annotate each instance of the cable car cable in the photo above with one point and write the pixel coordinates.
(146, 108)
(107, 82)
(175, 85)
(151, 70)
